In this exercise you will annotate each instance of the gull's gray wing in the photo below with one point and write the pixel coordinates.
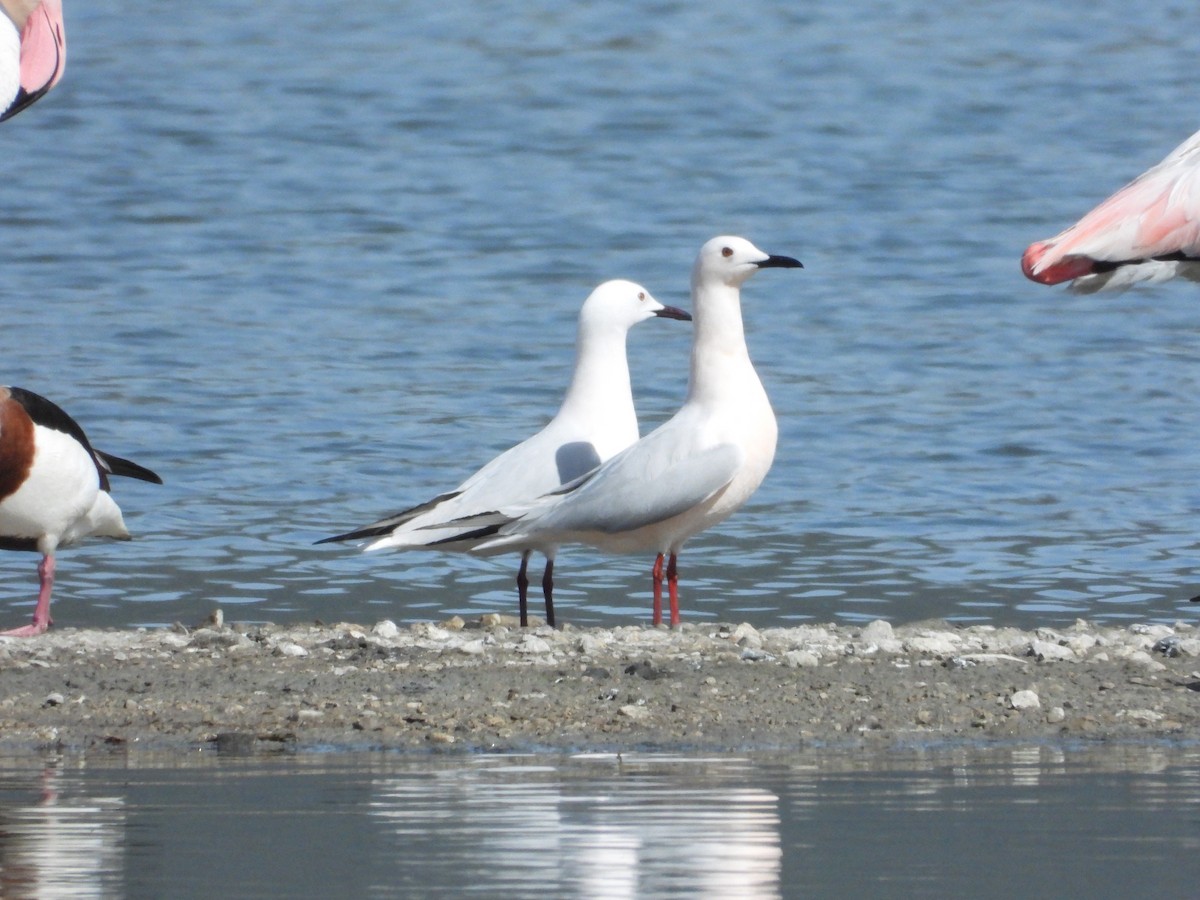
(634, 490)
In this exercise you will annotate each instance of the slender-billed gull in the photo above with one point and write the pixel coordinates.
(33, 52)
(53, 488)
(691, 472)
(1147, 231)
(596, 420)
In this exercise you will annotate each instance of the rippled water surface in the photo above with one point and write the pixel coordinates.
(1005, 822)
(317, 267)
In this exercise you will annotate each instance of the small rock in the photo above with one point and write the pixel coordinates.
(589, 645)
(454, 623)
(753, 654)
(934, 644)
(54, 699)
(1167, 646)
(635, 712)
(1141, 715)
(471, 648)
(386, 629)
(1081, 644)
(801, 659)
(1056, 715)
(1024, 700)
(1155, 631)
(287, 648)
(1049, 651)
(877, 632)
(533, 644)
(432, 632)
(1146, 661)
(646, 669)
(746, 635)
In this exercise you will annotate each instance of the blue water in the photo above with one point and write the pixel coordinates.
(317, 264)
(998, 823)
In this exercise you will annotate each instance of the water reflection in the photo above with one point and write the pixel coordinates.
(625, 831)
(64, 843)
(967, 821)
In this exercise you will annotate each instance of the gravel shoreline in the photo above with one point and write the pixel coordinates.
(487, 685)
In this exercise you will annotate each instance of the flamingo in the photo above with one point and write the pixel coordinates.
(1147, 231)
(33, 52)
(596, 420)
(53, 488)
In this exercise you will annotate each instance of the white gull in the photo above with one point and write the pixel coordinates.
(596, 420)
(690, 473)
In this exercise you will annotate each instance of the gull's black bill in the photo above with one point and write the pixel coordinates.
(780, 262)
(674, 312)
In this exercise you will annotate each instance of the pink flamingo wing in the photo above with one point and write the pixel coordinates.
(43, 48)
(1156, 215)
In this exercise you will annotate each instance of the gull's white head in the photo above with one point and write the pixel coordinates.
(622, 304)
(731, 260)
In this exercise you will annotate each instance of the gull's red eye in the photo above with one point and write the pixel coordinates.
(641, 295)
(726, 252)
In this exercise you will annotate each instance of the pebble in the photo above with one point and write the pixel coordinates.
(878, 632)
(1141, 715)
(635, 712)
(1050, 651)
(746, 635)
(1146, 661)
(385, 629)
(533, 644)
(1024, 700)
(934, 644)
(801, 659)
(471, 648)
(589, 645)
(753, 654)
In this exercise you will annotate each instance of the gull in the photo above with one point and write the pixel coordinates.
(1147, 231)
(53, 488)
(596, 420)
(693, 471)
(33, 52)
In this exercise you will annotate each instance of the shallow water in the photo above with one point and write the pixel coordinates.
(999, 822)
(315, 269)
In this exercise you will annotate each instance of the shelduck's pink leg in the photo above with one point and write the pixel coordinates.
(41, 612)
